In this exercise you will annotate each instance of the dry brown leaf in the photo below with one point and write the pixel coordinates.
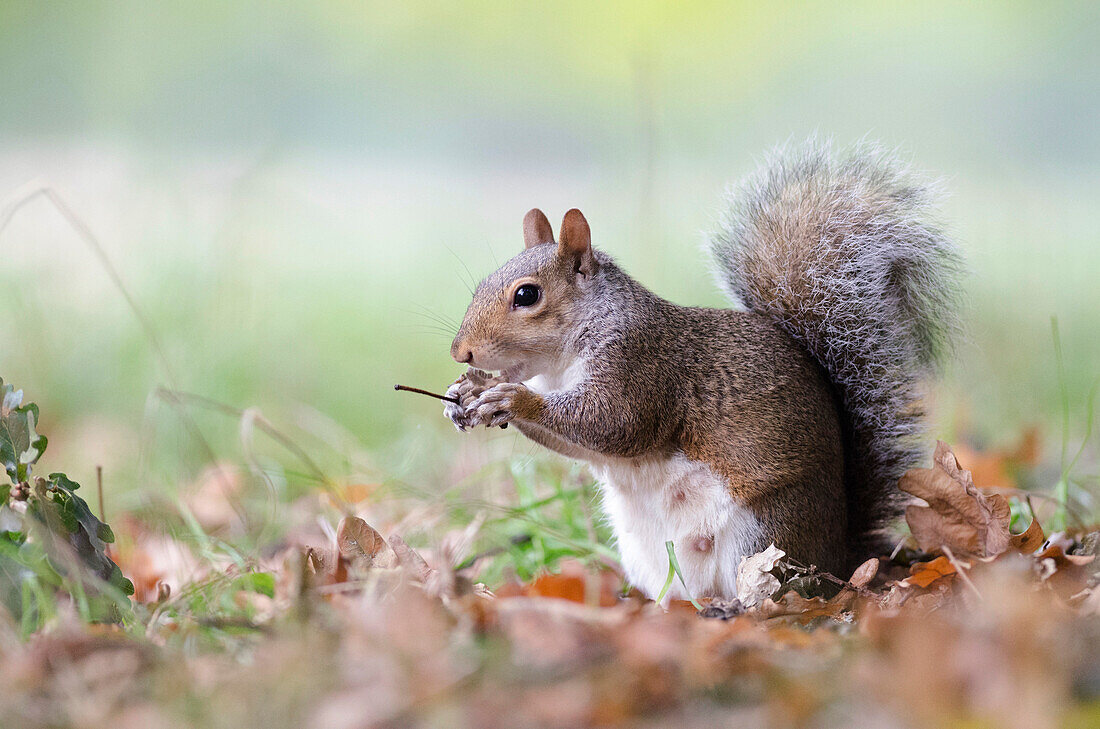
(958, 515)
(1058, 554)
(924, 574)
(356, 538)
(410, 559)
(864, 573)
(806, 609)
(1030, 539)
(755, 581)
(1064, 573)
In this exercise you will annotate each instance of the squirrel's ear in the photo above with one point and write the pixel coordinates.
(536, 229)
(576, 242)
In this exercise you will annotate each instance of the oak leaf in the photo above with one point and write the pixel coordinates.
(957, 514)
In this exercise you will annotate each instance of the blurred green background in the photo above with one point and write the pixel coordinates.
(299, 194)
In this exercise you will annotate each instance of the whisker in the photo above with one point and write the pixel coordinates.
(470, 281)
(434, 332)
(430, 315)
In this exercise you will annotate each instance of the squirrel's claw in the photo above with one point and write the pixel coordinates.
(482, 400)
(455, 412)
(468, 389)
(494, 406)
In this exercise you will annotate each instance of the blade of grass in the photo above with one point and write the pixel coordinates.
(674, 569)
(1061, 490)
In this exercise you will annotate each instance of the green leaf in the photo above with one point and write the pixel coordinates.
(259, 582)
(20, 445)
(67, 515)
(55, 515)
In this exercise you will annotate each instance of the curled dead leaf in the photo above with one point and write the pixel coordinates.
(755, 582)
(957, 514)
(1030, 539)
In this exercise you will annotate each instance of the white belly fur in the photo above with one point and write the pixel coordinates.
(650, 501)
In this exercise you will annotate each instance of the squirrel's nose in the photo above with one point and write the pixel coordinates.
(461, 353)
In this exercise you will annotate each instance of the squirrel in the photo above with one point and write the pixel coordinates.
(786, 420)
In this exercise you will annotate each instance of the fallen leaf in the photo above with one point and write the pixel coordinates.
(1030, 539)
(957, 514)
(865, 573)
(755, 583)
(355, 493)
(923, 574)
(356, 538)
(574, 583)
(806, 609)
(722, 609)
(410, 559)
(1065, 573)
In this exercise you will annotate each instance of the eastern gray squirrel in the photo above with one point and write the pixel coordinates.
(786, 421)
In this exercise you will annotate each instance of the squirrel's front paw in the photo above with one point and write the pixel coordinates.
(465, 389)
(454, 411)
(500, 404)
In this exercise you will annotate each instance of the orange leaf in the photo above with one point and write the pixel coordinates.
(998, 468)
(356, 492)
(572, 583)
(924, 574)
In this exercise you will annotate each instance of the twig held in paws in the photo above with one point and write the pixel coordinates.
(425, 392)
(455, 400)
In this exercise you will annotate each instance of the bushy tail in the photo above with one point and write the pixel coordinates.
(842, 250)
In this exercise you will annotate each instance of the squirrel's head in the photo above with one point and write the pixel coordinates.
(521, 316)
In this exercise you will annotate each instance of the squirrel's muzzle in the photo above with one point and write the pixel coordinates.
(461, 352)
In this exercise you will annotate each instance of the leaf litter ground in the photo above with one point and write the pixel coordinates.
(967, 624)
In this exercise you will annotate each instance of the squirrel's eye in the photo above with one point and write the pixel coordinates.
(526, 295)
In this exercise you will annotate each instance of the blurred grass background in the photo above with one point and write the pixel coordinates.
(297, 193)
